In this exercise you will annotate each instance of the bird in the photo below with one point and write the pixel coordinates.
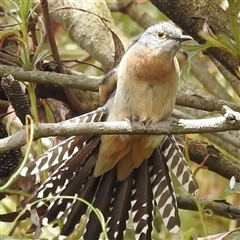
(122, 175)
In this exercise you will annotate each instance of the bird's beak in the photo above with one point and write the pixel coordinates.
(184, 38)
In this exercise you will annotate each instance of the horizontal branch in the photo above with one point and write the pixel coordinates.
(198, 102)
(208, 156)
(230, 121)
(219, 138)
(216, 207)
(81, 81)
(190, 98)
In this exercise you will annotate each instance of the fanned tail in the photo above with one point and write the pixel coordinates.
(177, 163)
(142, 203)
(119, 208)
(148, 186)
(65, 150)
(77, 209)
(102, 201)
(73, 184)
(163, 191)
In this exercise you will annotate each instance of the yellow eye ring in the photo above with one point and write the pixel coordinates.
(161, 34)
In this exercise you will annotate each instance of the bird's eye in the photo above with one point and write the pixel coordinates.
(161, 34)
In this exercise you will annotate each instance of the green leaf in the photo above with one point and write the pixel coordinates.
(190, 234)
(49, 111)
(39, 57)
(192, 47)
(9, 31)
(235, 29)
(220, 41)
(7, 9)
(24, 54)
(25, 7)
(217, 40)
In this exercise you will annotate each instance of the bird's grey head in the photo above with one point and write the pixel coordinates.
(163, 37)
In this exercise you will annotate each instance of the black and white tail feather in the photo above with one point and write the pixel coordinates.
(146, 189)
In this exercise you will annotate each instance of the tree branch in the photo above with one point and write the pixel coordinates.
(216, 138)
(81, 80)
(85, 26)
(136, 12)
(209, 80)
(186, 96)
(213, 159)
(230, 121)
(199, 102)
(186, 202)
(231, 79)
(217, 207)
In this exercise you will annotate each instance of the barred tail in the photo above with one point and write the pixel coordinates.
(146, 187)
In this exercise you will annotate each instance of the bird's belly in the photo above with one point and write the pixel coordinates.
(153, 104)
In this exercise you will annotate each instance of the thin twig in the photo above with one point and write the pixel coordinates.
(77, 105)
